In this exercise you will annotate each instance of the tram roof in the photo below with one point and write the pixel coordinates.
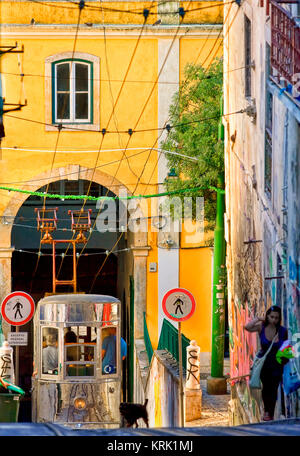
(78, 298)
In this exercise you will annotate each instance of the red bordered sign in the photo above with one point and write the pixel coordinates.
(17, 308)
(178, 304)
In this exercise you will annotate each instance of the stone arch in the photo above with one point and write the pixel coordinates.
(75, 172)
(138, 241)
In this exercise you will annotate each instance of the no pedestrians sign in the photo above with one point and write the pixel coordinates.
(178, 304)
(17, 308)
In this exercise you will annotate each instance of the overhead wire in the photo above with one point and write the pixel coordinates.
(110, 90)
(128, 81)
(152, 129)
(101, 206)
(177, 103)
(59, 254)
(81, 6)
(130, 131)
(101, 267)
(134, 12)
(28, 181)
(146, 14)
(182, 84)
(144, 107)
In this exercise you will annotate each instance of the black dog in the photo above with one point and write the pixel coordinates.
(132, 412)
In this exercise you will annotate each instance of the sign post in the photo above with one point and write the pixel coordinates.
(17, 309)
(179, 305)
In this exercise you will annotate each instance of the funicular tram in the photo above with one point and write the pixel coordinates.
(75, 383)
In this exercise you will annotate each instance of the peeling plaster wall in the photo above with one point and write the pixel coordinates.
(159, 383)
(162, 391)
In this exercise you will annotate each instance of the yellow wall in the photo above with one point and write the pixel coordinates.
(196, 276)
(17, 166)
(16, 12)
(25, 165)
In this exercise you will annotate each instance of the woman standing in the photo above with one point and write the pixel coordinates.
(271, 373)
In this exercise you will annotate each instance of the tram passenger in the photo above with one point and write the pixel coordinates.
(72, 352)
(109, 350)
(50, 354)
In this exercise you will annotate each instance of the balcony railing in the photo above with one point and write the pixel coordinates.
(285, 43)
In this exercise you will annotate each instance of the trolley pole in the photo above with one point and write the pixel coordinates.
(17, 362)
(216, 383)
(181, 393)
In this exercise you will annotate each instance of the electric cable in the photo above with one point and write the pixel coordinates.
(146, 14)
(134, 12)
(122, 233)
(150, 95)
(144, 107)
(131, 131)
(147, 101)
(81, 6)
(118, 80)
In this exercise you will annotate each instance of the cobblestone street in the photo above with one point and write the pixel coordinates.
(214, 407)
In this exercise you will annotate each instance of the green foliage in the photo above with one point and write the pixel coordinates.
(198, 98)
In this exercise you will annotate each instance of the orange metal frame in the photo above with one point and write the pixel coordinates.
(47, 225)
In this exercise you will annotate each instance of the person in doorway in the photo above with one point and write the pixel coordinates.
(50, 354)
(272, 371)
(109, 350)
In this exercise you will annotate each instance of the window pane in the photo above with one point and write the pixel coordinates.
(109, 350)
(269, 110)
(81, 76)
(63, 77)
(81, 106)
(71, 188)
(80, 370)
(72, 353)
(248, 57)
(63, 106)
(50, 351)
(268, 164)
(94, 189)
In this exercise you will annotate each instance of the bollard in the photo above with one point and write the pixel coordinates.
(193, 393)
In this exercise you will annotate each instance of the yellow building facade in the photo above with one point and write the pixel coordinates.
(96, 80)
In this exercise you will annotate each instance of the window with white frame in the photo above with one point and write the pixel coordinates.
(72, 91)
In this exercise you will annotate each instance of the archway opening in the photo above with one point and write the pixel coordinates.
(32, 261)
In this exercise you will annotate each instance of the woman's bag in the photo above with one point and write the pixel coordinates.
(291, 377)
(255, 382)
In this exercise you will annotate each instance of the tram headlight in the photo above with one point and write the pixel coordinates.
(80, 403)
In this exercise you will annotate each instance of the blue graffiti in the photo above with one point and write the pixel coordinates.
(294, 270)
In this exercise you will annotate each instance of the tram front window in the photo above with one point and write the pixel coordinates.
(79, 351)
(50, 351)
(108, 353)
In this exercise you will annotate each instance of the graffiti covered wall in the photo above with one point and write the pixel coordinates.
(243, 406)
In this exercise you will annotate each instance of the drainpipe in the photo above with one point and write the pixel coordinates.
(216, 383)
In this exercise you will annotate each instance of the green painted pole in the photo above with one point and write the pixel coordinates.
(218, 305)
